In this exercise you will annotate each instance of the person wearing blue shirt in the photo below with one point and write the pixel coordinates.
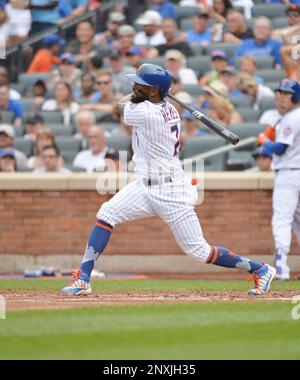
(165, 8)
(282, 2)
(69, 9)
(261, 44)
(200, 33)
(13, 106)
(44, 14)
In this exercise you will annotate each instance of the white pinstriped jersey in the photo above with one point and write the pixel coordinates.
(288, 132)
(155, 138)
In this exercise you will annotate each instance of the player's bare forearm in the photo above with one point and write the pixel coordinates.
(122, 102)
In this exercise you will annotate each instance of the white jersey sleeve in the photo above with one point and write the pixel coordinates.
(286, 130)
(134, 114)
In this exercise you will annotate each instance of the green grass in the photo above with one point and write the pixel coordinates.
(217, 330)
(142, 285)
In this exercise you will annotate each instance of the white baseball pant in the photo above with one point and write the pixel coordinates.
(173, 202)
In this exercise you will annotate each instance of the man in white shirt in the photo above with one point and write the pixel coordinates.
(152, 34)
(4, 81)
(93, 159)
(174, 63)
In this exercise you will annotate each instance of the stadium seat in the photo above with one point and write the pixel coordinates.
(240, 101)
(186, 11)
(110, 126)
(269, 10)
(271, 75)
(126, 88)
(28, 80)
(52, 117)
(74, 169)
(118, 143)
(68, 156)
(229, 48)
(24, 145)
(6, 117)
(102, 116)
(240, 158)
(248, 114)
(199, 63)
(280, 22)
(193, 89)
(197, 49)
(28, 104)
(197, 145)
(20, 131)
(18, 87)
(155, 60)
(272, 85)
(60, 130)
(186, 24)
(262, 62)
(267, 104)
(67, 143)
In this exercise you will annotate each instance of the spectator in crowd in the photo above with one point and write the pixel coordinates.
(185, 98)
(174, 63)
(176, 84)
(165, 8)
(220, 9)
(191, 126)
(44, 137)
(237, 29)
(248, 65)
(51, 161)
(83, 47)
(112, 162)
(219, 107)
(44, 14)
(4, 81)
(19, 22)
(119, 70)
(108, 98)
(201, 32)
(293, 28)
(62, 101)
(38, 92)
(93, 159)
(8, 163)
(33, 123)
(174, 40)
(125, 41)
(271, 116)
(230, 79)
(94, 64)
(135, 57)
(7, 136)
(9, 105)
(152, 34)
(263, 160)
(69, 9)
(219, 61)
(45, 57)
(4, 24)
(249, 86)
(291, 62)
(87, 91)
(110, 35)
(67, 71)
(84, 121)
(245, 5)
(261, 44)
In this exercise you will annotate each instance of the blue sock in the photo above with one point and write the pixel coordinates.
(96, 244)
(224, 258)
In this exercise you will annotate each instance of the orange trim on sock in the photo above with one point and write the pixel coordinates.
(210, 254)
(103, 226)
(215, 256)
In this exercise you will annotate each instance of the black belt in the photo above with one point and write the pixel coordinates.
(278, 170)
(156, 181)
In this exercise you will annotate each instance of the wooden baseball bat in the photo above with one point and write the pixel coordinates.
(210, 123)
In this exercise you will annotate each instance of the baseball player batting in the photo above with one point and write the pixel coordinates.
(161, 187)
(285, 150)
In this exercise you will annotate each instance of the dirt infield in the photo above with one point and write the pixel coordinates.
(42, 300)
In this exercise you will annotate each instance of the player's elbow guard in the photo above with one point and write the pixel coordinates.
(275, 147)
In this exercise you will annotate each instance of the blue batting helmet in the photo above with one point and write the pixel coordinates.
(154, 76)
(292, 87)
